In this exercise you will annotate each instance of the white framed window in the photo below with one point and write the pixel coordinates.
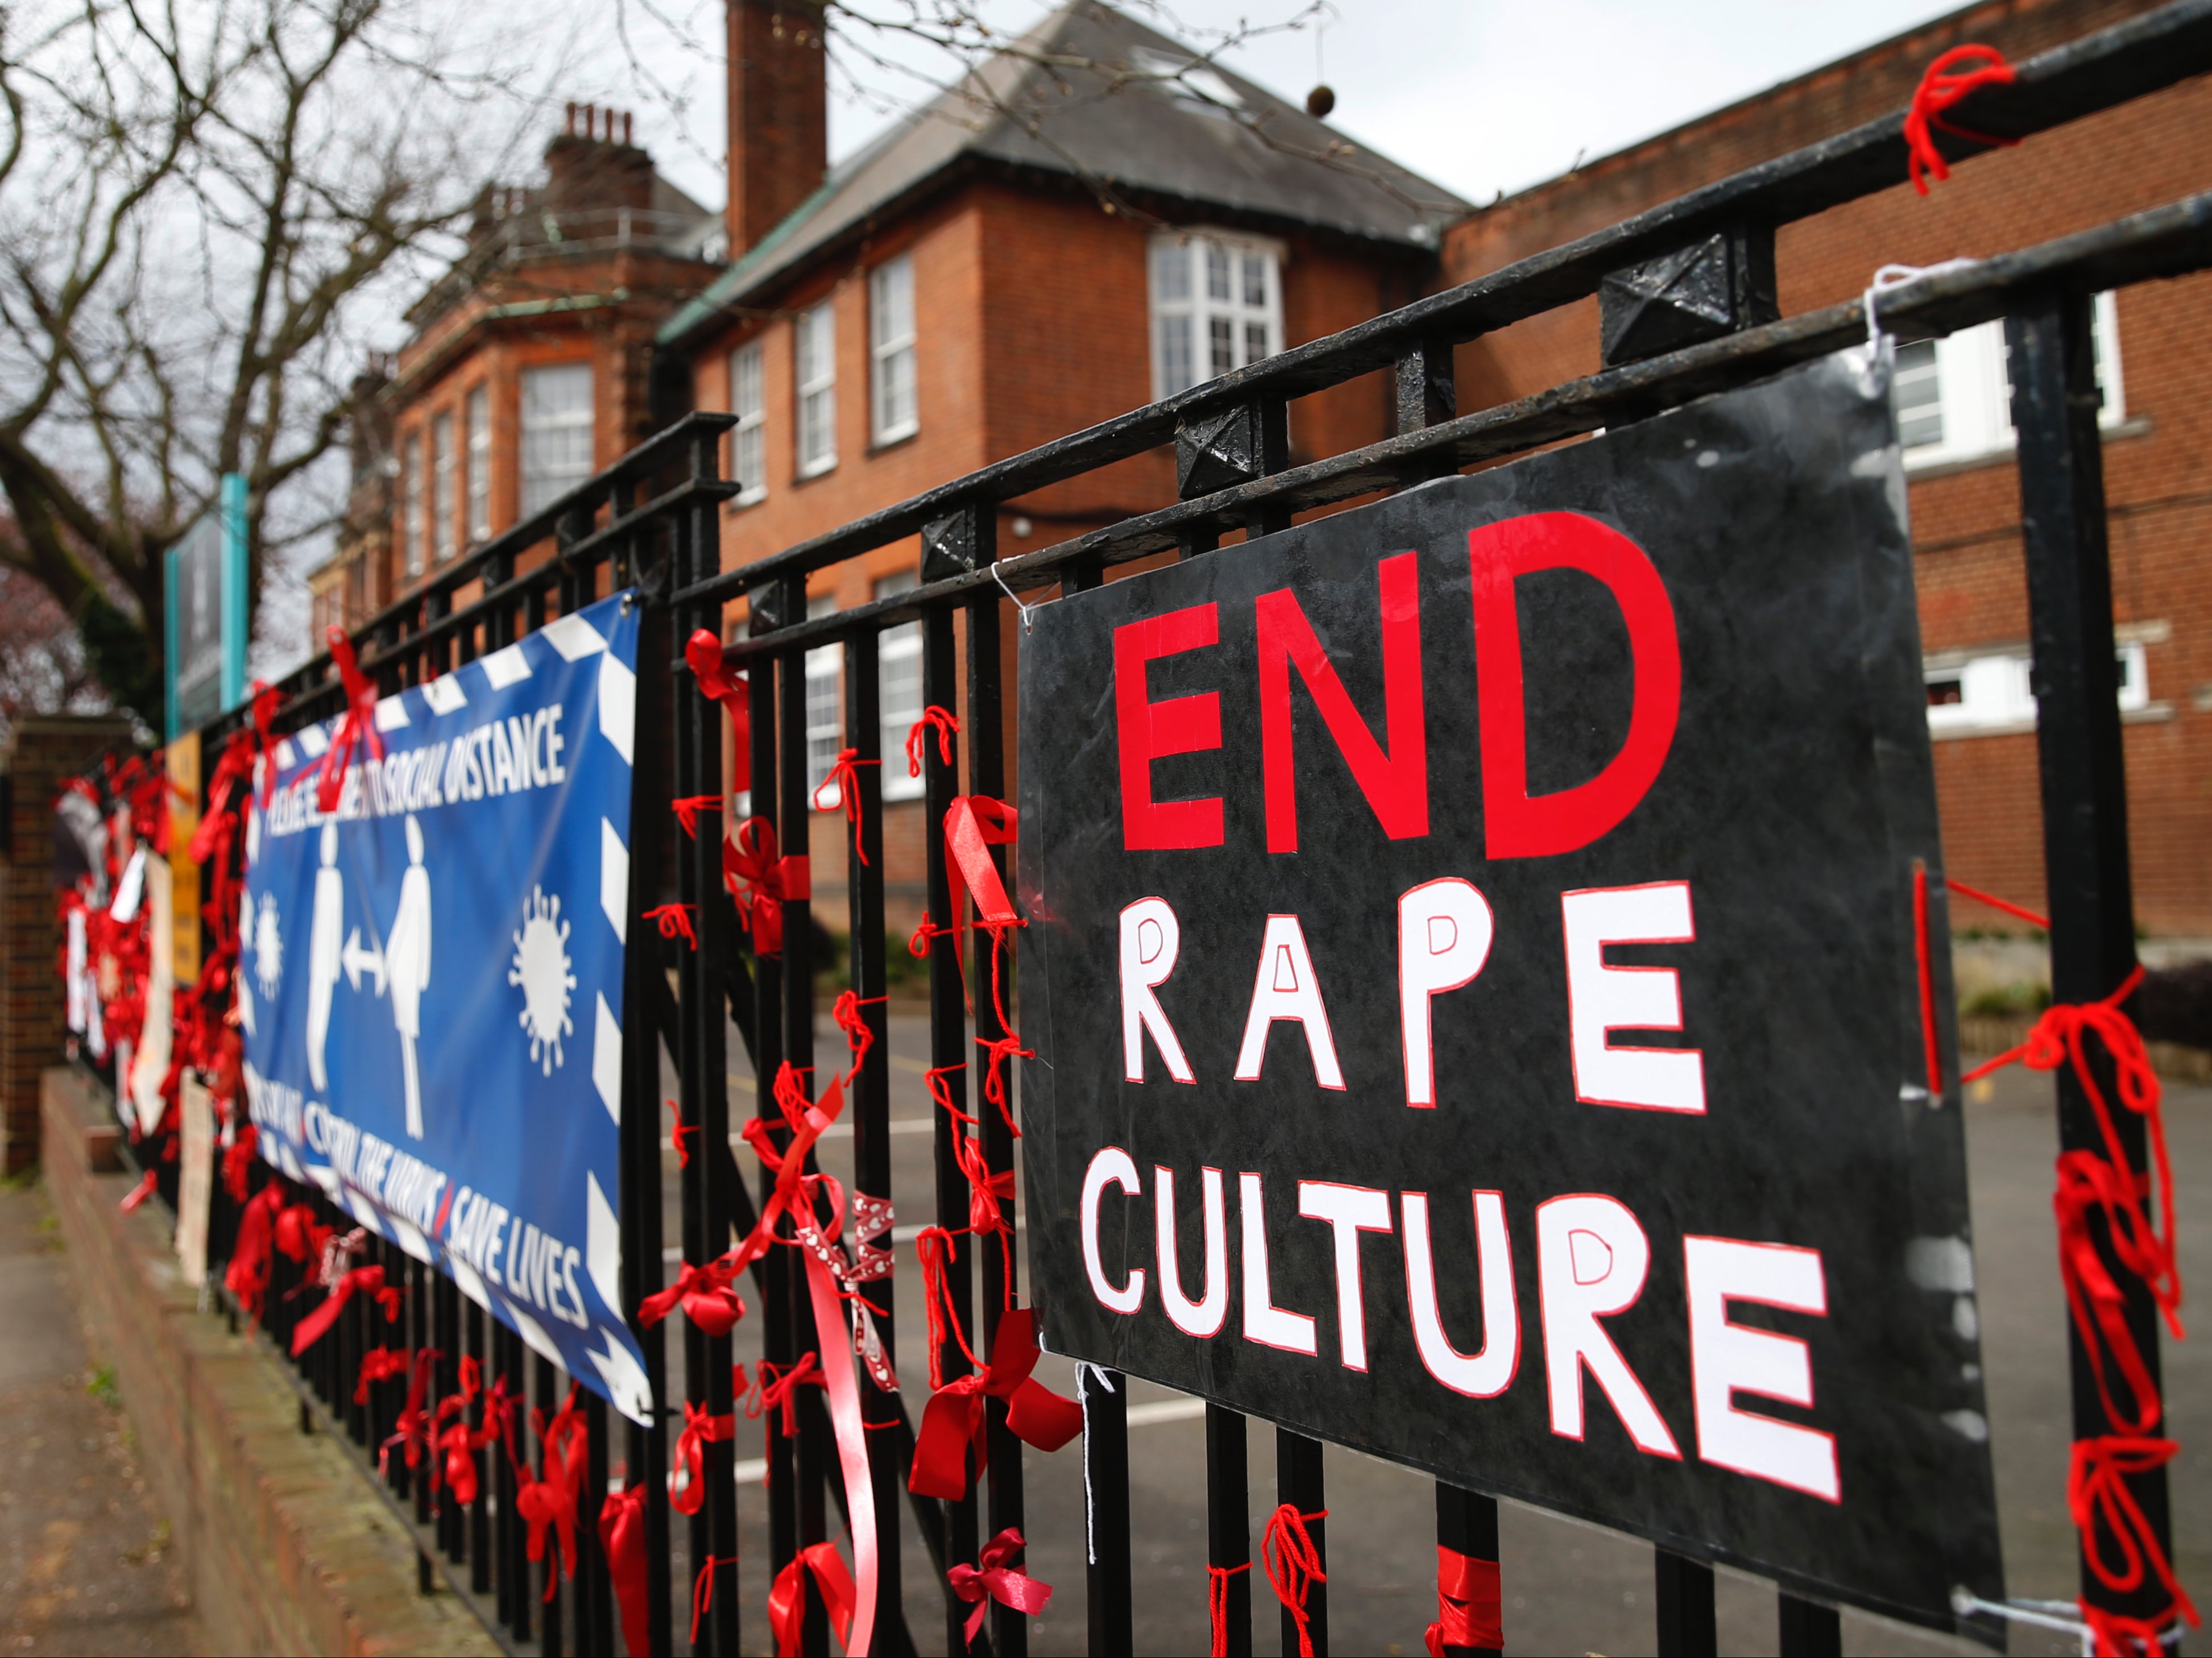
(1955, 402)
(1217, 304)
(815, 354)
(1987, 693)
(411, 507)
(894, 398)
(445, 538)
(749, 437)
(899, 690)
(477, 414)
(556, 431)
(825, 710)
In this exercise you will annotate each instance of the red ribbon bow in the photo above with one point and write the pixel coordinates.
(1468, 1604)
(786, 1600)
(359, 724)
(954, 1417)
(1293, 1566)
(749, 862)
(707, 1299)
(622, 1540)
(993, 1578)
(379, 1364)
(367, 1280)
(410, 1430)
(1939, 89)
(550, 1502)
(700, 1427)
(703, 651)
(247, 1275)
(675, 922)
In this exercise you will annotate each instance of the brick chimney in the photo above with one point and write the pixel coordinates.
(779, 113)
(593, 166)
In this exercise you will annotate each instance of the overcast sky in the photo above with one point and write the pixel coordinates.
(1480, 95)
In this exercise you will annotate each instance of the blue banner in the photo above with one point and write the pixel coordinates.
(431, 978)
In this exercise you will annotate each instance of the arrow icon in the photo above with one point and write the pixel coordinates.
(355, 958)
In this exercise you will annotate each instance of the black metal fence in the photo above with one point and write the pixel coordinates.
(654, 519)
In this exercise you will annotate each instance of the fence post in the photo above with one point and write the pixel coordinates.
(1684, 1596)
(1228, 1529)
(1466, 1524)
(1298, 1482)
(2085, 807)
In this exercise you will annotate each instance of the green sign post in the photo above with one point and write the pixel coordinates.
(203, 584)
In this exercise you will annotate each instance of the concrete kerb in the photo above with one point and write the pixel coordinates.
(286, 1546)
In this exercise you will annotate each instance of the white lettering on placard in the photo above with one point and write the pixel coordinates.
(1285, 987)
(1111, 1167)
(1204, 1317)
(1591, 1257)
(500, 757)
(1151, 940)
(1602, 999)
(1726, 1359)
(1349, 1210)
(1444, 929)
(1491, 1371)
(1265, 1322)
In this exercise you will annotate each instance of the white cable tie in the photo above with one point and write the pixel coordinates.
(1896, 276)
(1027, 610)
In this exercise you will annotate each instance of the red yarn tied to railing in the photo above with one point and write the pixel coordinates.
(1946, 83)
(2098, 1496)
(1469, 1606)
(1293, 1566)
(847, 781)
(674, 921)
(359, 724)
(933, 719)
(1217, 1606)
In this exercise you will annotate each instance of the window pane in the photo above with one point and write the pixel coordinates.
(1216, 271)
(1170, 269)
(1222, 334)
(1176, 374)
(556, 431)
(1255, 341)
(1256, 282)
(410, 508)
(825, 732)
(890, 302)
(749, 460)
(895, 393)
(746, 394)
(898, 690)
(443, 538)
(1918, 393)
(479, 423)
(818, 396)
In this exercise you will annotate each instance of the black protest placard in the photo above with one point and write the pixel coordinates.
(1472, 963)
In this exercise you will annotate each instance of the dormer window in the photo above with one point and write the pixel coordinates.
(1217, 306)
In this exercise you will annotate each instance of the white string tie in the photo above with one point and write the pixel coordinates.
(1897, 276)
(1028, 611)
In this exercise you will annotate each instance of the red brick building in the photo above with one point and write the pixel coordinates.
(1034, 250)
(526, 371)
(1964, 495)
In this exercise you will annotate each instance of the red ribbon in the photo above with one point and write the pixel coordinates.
(675, 922)
(379, 1364)
(247, 1275)
(299, 1236)
(139, 1194)
(786, 1599)
(1293, 1566)
(1469, 1604)
(773, 1385)
(750, 861)
(359, 724)
(993, 1578)
(703, 651)
(237, 1159)
(973, 824)
(410, 1430)
(621, 1539)
(705, 1293)
(847, 781)
(549, 1501)
(954, 1417)
(367, 1280)
(700, 1428)
(917, 738)
(1939, 89)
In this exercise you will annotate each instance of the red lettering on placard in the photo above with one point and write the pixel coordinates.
(1515, 824)
(1149, 731)
(1396, 783)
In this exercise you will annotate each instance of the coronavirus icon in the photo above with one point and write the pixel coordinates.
(541, 969)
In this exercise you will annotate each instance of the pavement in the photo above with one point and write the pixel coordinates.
(87, 1562)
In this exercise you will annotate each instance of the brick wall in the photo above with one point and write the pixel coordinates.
(1965, 521)
(42, 751)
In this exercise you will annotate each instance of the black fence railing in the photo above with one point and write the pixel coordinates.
(654, 519)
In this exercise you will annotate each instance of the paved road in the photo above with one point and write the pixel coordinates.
(85, 1566)
(1568, 1588)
